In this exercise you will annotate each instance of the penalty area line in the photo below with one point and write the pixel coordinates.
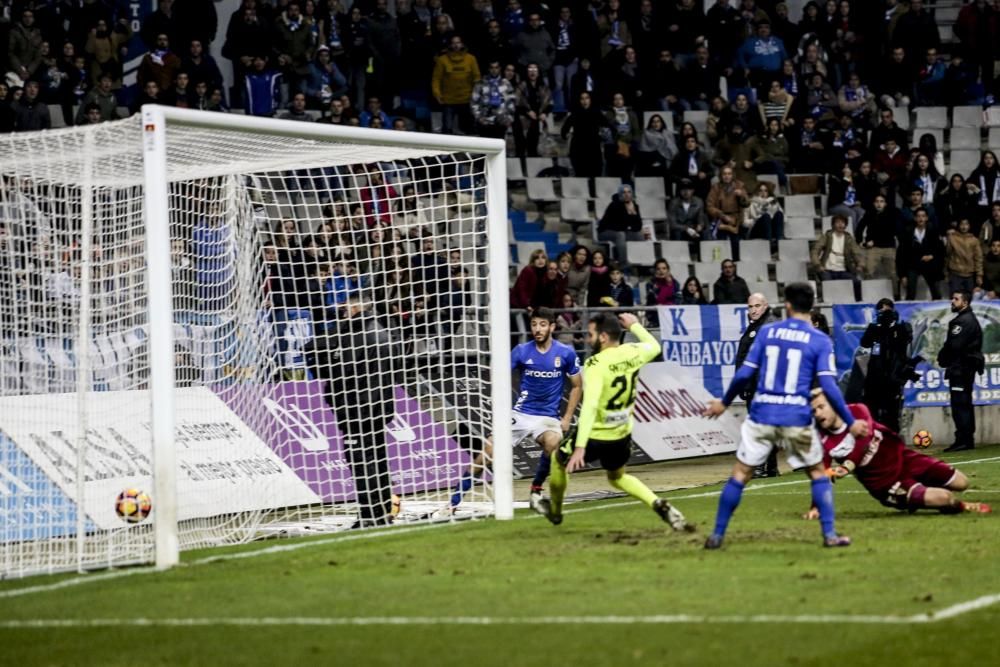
(947, 613)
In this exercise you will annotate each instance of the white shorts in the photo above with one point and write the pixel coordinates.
(801, 444)
(533, 426)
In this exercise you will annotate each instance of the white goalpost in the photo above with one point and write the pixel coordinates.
(270, 328)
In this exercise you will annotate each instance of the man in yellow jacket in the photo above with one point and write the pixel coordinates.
(455, 74)
(964, 259)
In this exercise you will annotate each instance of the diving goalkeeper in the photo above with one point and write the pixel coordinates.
(605, 424)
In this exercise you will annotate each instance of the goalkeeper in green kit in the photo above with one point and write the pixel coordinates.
(605, 425)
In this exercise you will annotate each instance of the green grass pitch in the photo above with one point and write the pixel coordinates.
(611, 586)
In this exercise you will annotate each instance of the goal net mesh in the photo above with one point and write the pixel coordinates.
(330, 323)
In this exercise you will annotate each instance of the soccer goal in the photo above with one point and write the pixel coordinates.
(270, 328)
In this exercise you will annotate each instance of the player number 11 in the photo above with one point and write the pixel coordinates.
(793, 359)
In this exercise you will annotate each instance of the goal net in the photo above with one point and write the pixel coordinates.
(322, 360)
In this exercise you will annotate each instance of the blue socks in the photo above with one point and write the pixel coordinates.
(822, 495)
(542, 471)
(461, 488)
(728, 502)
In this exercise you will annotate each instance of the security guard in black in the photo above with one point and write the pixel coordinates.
(962, 358)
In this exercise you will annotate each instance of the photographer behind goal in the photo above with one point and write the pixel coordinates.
(889, 366)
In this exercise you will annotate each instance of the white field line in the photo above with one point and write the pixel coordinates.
(674, 619)
(364, 535)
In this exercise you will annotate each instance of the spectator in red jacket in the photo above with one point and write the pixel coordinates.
(890, 164)
(523, 292)
(379, 200)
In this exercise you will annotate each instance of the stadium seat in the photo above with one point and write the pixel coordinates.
(931, 117)
(946, 15)
(787, 271)
(964, 138)
(992, 117)
(921, 130)
(605, 188)
(649, 187)
(715, 251)
(533, 166)
(767, 288)
(967, 117)
(56, 115)
(705, 272)
(575, 188)
(902, 118)
(642, 254)
(676, 252)
(838, 291)
(751, 271)
(772, 179)
(575, 210)
(873, 290)
(755, 250)
(524, 250)
(541, 189)
(515, 172)
(800, 228)
(924, 292)
(697, 118)
(653, 209)
(963, 162)
(798, 206)
(794, 250)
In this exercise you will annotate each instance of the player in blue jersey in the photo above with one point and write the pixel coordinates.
(545, 365)
(788, 356)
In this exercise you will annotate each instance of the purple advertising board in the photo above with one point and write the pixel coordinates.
(298, 425)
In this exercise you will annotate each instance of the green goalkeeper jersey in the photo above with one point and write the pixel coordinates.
(609, 385)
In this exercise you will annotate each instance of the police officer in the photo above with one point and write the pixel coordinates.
(356, 362)
(962, 358)
(889, 341)
(758, 314)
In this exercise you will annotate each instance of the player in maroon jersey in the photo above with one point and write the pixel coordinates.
(895, 476)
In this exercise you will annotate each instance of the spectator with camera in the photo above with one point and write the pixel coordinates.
(889, 365)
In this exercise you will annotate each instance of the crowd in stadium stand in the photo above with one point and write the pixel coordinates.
(735, 108)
